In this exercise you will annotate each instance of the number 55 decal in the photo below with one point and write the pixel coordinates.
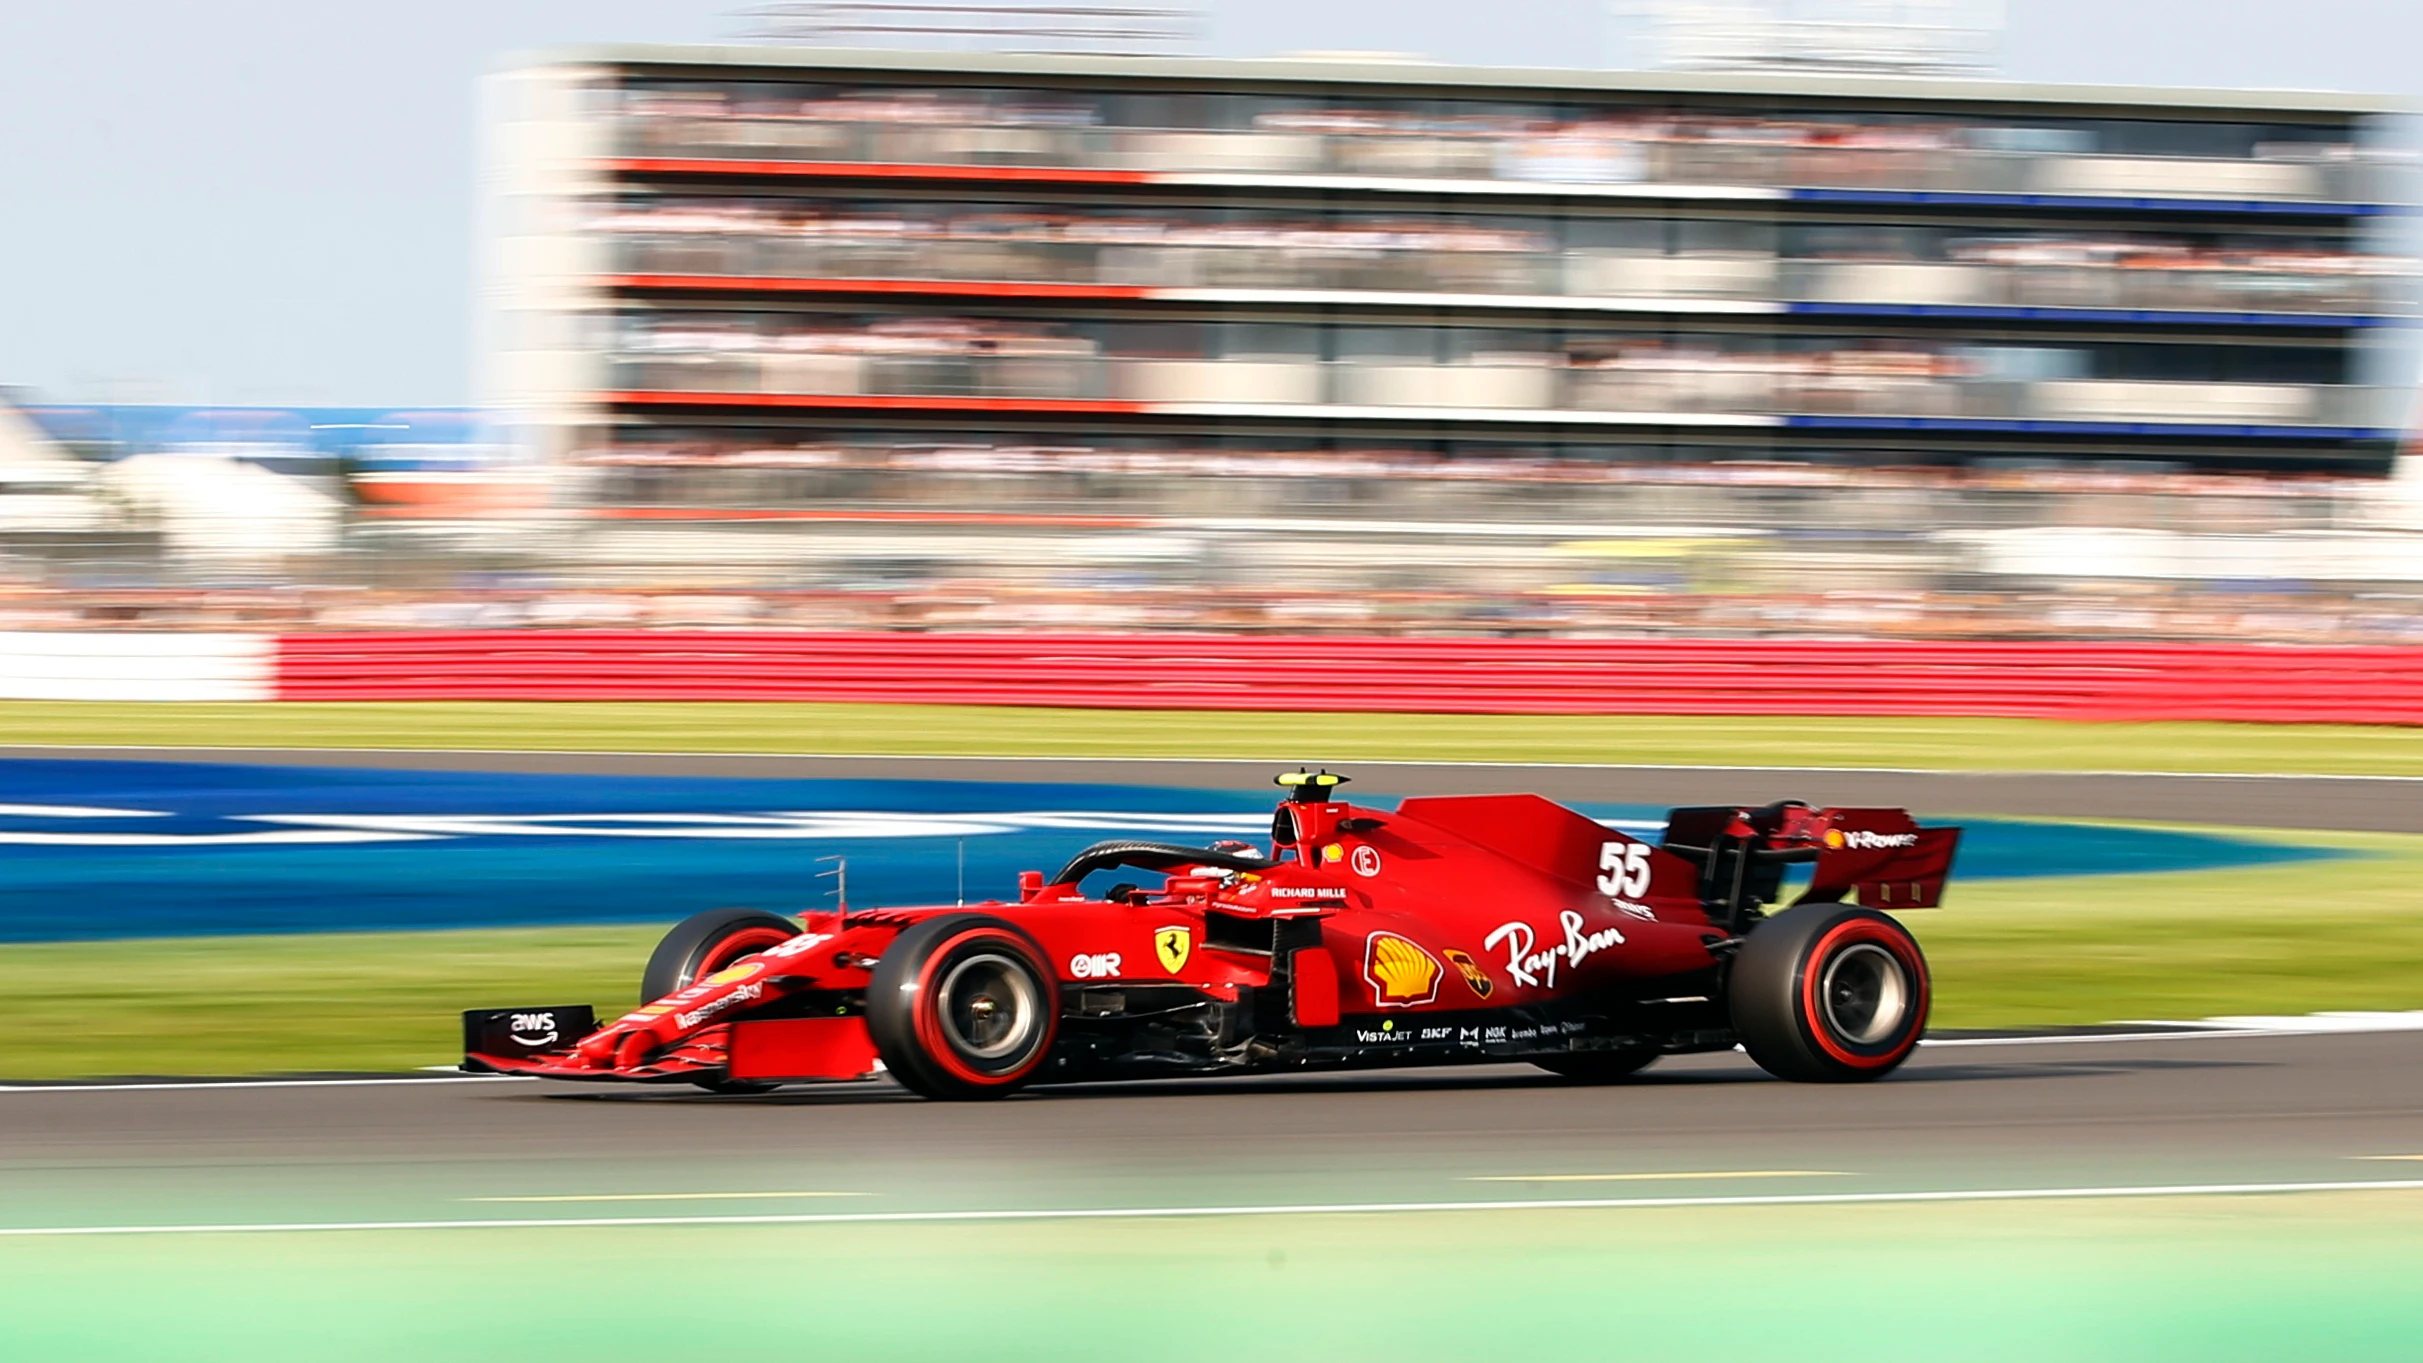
(1623, 869)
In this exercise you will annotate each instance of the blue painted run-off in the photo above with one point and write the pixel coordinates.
(156, 849)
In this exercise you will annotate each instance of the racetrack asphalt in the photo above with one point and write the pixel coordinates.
(2029, 1119)
(2185, 1110)
(2348, 804)
(2220, 1198)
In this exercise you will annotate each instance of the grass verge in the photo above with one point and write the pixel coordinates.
(2174, 1280)
(2297, 937)
(2293, 938)
(258, 1005)
(1954, 743)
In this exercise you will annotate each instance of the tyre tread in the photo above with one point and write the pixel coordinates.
(1763, 995)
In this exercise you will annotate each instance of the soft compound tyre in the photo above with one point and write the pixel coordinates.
(963, 1006)
(1829, 993)
(1598, 1067)
(702, 944)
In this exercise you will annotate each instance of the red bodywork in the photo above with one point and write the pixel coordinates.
(1456, 928)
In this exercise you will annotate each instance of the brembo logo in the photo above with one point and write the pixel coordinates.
(1866, 841)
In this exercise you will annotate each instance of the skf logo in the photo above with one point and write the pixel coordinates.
(1401, 974)
(1474, 977)
(1171, 946)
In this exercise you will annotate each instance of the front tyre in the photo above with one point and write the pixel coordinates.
(963, 1007)
(1830, 993)
(702, 944)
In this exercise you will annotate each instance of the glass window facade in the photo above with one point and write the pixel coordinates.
(1110, 250)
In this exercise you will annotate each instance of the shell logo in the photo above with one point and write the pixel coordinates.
(1401, 974)
(1834, 838)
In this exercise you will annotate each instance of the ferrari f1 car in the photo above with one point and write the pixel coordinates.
(1455, 930)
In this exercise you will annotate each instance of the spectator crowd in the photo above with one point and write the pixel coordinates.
(1579, 257)
(1474, 540)
(1554, 143)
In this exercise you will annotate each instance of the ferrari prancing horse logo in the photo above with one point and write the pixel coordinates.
(1173, 946)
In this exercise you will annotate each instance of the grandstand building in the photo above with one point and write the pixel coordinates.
(710, 250)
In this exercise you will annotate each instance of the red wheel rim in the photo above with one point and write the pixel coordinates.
(929, 1023)
(1817, 968)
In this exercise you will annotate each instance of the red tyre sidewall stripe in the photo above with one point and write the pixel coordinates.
(937, 1048)
(1812, 976)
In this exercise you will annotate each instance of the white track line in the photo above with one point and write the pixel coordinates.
(2184, 1032)
(172, 1086)
(657, 1197)
(1277, 1209)
(1655, 1178)
(1231, 761)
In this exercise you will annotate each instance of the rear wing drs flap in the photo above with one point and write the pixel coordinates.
(1880, 858)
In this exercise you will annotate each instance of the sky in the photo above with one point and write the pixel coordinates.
(264, 201)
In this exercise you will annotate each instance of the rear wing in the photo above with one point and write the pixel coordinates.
(1879, 857)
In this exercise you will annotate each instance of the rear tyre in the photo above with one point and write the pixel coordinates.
(963, 1007)
(1830, 993)
(1598, 1067)
(702, 944)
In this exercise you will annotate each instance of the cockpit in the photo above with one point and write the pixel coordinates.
(1304, 821)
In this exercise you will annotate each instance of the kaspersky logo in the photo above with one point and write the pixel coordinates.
(1400, 973)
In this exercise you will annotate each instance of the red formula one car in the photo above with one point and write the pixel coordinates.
(1455, 930)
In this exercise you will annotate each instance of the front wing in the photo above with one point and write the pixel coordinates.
(773, 1050)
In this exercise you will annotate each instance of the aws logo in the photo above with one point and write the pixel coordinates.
(527, 1029)
(1401, 974)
